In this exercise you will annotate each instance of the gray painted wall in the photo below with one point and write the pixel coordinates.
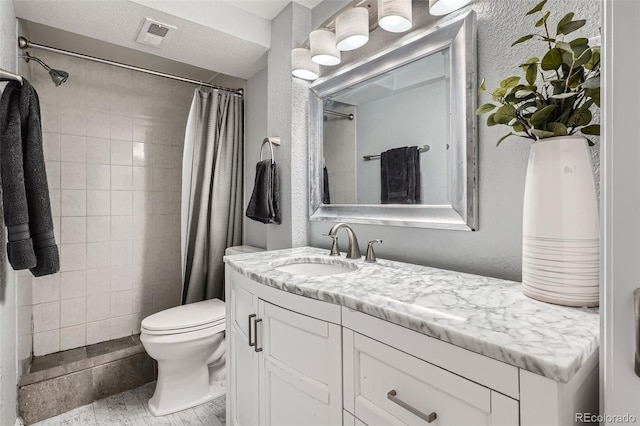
(8, 339)
(255, 103)
(495, 249)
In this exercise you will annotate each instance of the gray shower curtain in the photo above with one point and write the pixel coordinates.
(211, 191)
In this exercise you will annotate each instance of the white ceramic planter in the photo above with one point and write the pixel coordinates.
(560, 229)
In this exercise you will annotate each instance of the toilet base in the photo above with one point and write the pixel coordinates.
(216, 390)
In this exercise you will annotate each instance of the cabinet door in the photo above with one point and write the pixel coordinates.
(242, 359)
(300, 369)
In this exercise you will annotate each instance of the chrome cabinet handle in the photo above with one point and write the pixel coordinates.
(392, 395)
(636, 298)
(255, 325)
(250, 318)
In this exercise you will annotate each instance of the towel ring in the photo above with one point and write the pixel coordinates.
(274, 140)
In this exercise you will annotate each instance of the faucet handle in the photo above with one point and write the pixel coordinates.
(335, 250)
(371, 255)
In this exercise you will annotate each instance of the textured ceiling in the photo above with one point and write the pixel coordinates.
(224, 36)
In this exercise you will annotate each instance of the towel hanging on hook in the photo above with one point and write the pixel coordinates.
(272, 140)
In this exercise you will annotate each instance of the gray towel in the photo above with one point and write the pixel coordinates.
(326, 195)
(27, 209)
(264, 205)
(400, 176)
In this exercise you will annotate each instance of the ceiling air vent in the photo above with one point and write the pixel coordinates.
(153, 32)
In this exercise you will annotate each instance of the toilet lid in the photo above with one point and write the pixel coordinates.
(186, 316)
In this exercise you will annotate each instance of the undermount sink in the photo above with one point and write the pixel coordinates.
(314, 266)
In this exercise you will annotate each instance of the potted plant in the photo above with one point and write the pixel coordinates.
(552, 104)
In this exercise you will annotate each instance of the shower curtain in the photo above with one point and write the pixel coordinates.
(212, 175)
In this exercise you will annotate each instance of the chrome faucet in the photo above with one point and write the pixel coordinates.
(353, 252)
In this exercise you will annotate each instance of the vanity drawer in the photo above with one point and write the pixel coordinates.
(390, 387)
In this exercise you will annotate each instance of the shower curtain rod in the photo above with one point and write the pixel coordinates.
(23, 43)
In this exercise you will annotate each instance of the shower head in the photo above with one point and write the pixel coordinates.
(58, 76)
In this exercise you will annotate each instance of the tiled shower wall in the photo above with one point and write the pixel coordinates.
(113, 149)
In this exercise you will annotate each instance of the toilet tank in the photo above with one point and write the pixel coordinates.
(230, 251)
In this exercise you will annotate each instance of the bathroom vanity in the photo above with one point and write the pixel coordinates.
(321, 340)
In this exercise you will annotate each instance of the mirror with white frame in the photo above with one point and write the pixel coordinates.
(393, 139)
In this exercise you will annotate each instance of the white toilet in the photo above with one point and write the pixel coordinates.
(188, 343)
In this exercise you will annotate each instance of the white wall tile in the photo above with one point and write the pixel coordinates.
(142, 178)
(73, 202)
(142, 275)
(73, 337)
(98, 150)
(51, 146)
(121, 252)
(121, 203)
(73, 122)
(99, 331)
(121, 152)
(45, 289)
(121, 227)
(53, 174)
(73, 230)
(121, 303)
(121, 178)
(73, 284)
(24, 320)
(98, 281)
(46, 316)
(56, 223)
(121, 326)
(98, 228)
(121, 127)
(142, 203)
(98, 124)
(164, 297)
(98, 203)
(142, 299)
(73, 148)
(142, 154)
(98, 307)
(142, 225)
(50, 120)
(98, 254)
(142, 251)
(54, 200)
(73, 175)
(73, 257)
(73, 311)
(24, 290)
(162, 179)
(47, 342)
(99, 176)
(25, 347)
(142, 128)
(121, 277)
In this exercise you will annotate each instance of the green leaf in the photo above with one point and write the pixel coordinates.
(530, 61)
(581, 41)
(499, 93)
(505, 136)
(505, 114)
(510, 82)
(592, 82)
(485, 109)
(537, 8)
(564, 21)
(542, 134)
(552, 60)
(522, 39)
(482, 87)
(564, 95)
(593, 129)
(582, 55)
(524, 93)
(532, 74)
(542, 115)
(570, 27)
(518, 127)
(491, 121)
(562, 45)
(543, 20)
(593, 94)
(594, 61)
(582, 117)
(558, 129)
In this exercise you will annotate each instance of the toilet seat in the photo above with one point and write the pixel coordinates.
(186, 318)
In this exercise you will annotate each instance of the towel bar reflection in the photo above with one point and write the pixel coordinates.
(423, 148)
(272, 140)
(339, 114)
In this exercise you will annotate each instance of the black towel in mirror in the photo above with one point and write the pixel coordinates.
(400, 176)
(264, 205)
(326, 195)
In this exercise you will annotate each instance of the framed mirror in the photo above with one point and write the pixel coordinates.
(393, 139)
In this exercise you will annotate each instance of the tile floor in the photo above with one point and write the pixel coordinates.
(130, 409)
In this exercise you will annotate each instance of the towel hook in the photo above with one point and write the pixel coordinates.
(273, 140)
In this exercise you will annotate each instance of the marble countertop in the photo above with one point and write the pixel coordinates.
(485, 315)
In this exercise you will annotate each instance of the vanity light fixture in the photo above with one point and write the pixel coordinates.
(394, 15)
(443, 7)
(323, 47)
(302, 66)
(352, 29)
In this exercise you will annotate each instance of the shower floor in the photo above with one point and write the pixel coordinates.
(130, 408)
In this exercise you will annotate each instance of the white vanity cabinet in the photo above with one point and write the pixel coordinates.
(285, 367)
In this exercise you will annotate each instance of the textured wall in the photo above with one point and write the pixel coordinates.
(113, 150)
(255, 103)
(495, 249)
(8, 340)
